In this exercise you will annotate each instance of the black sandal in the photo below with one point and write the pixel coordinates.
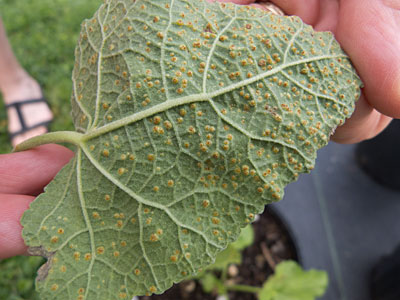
(24, 127)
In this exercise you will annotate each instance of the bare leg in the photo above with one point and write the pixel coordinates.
(16, 85)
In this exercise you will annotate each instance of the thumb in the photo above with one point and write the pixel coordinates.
(369, 32)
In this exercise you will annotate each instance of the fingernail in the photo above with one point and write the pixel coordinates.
(270, 7)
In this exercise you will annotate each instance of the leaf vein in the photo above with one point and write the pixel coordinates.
(251, 136)
(162, 58)
(193, 98)
(146, 258)
(141, 199)
(292, 40)
(213, 49)
(86, 217)
(67, 185)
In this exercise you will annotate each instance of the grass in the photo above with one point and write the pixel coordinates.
(43, 34)
(17, 278)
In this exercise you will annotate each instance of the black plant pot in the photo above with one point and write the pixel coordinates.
(380, 156)
(286, 228)
(385, 279)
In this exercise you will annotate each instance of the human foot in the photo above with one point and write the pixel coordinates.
(24, 126)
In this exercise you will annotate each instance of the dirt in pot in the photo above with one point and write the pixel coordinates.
(272, 244)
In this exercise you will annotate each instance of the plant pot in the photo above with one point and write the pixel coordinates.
(343, 221)
(379, 157)
(273, 243)
(385, 277)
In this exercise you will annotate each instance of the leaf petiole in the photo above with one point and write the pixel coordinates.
(243, 288)
(70, 137)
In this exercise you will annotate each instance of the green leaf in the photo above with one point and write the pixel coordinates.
(245, 239)
(232, 254)
(190, 118)
(228, 256)
(291, 282)
(210, 282)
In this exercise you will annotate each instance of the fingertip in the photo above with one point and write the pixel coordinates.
(364, 124)
(11, 209)
(349, 134)
(369, 35)
(27, 172)
(382, 88)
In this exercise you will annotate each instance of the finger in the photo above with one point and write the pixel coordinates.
(364, 124)
(268, 6)
(307, 10)
(328, 16)
(11, 209)
(368, 31)
(242, 2)
(27, 172)
(395, 4)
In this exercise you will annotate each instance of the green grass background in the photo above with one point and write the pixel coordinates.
(43, 34)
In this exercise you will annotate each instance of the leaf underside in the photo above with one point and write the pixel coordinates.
(195, 116)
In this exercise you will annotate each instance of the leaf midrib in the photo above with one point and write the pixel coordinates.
(201, 97)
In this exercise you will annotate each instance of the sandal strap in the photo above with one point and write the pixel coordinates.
(23, 102)
(18, 104)
(18, 107)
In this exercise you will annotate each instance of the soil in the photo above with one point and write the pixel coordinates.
(273, 244)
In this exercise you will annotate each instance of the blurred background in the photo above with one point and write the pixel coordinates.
(43, 34)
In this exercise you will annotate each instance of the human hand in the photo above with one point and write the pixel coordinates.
(23, 176)
(368, 31)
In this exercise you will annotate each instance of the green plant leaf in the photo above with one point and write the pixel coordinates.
(232, 254)
(210, 282)
(290, 281)
(245, 238)
(228, 256)
(191, 117)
